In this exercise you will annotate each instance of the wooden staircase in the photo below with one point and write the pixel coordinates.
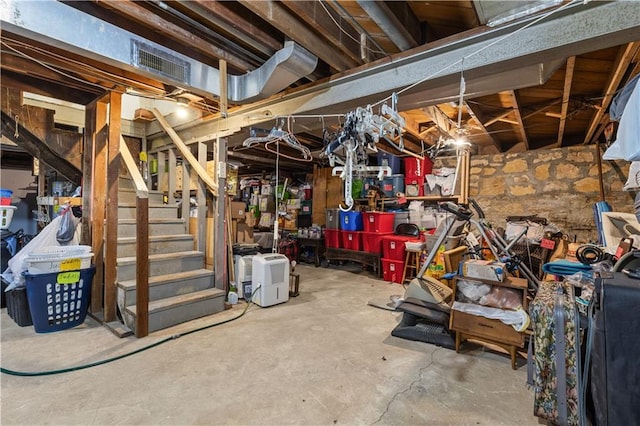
(180, 288)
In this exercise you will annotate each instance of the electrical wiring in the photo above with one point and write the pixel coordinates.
(128, 354)
(349, 35)
(100, 73)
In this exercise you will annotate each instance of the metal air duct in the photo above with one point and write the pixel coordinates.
(57, 24)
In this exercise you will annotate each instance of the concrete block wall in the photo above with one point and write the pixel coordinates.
(559, 184)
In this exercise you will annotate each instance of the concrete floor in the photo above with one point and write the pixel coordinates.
(323, 358)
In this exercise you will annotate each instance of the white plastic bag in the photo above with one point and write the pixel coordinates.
(46, 238)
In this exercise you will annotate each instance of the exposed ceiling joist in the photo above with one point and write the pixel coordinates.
(566, 93)
(441, 120)
(216, 15)
(520, 122)
(557, 37)
(477, 117)
(276, 14)
(176, 32)
(389, 23)
(497, 118)
(315, 14)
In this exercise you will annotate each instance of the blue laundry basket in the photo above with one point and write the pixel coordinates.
(59, 300)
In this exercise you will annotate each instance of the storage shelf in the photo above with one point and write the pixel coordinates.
(58, 201)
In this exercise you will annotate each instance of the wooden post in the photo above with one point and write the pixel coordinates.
(97, 130)
(219, 245)
(599, 161)
(223, 87)
(111, 208)
(201, 199)
(142, 267)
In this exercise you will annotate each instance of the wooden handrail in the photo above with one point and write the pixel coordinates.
(142, 191)
(186, 153)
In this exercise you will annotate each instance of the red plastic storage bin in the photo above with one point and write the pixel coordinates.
(393, 247)
(415, 169)
(332, 238)
(351, 240)
(392, 270)
(378, 221)
(372, 241)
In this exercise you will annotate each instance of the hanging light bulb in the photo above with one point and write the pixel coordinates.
(183, 104)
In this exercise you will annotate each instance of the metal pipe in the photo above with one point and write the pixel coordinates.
(385, 19)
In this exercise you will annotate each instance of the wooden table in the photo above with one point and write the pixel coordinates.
(363, 257)
(317, 244)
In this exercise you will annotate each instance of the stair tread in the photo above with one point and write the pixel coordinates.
(157, 238)
(183, 299)
(151, 191)
(179, 254)
(166, 206)
(159, 279)
(160, 220)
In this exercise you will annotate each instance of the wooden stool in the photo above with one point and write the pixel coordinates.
(411, 262)
(294, 285)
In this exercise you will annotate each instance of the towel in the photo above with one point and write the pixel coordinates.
(565, 267)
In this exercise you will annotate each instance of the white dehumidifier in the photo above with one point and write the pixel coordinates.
(243, 268)
(270, 279)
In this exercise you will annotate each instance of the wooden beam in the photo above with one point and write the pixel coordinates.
(506, 120)
(142, 267)
(26, 140)
(516, 108)
(542, 108)
(315, 15)
(441, 119)
(30, 69)
(407, 22)
(111, 208)
(566, 93)
(175, 32)
(476, 115)
(223, 104)
(217, 16)
(186, 153)
(625, 55)
(413, 128)
(201, 201)
(500, 117)
(219, 242)
(276, 15)
(96, 125)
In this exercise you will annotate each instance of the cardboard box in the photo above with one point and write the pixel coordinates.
(244, 233)
(238, 209)
(484, 269)
(267, 204)
(250, 219)
(293, 204)
(266, 220)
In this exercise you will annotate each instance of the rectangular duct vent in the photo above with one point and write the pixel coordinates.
(155, 60)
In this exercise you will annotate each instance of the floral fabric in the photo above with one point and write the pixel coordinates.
(544, 355)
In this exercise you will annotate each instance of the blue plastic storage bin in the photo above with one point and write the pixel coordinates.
(59, 300)
(350, 221)
(392, 185)
(393, 161)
